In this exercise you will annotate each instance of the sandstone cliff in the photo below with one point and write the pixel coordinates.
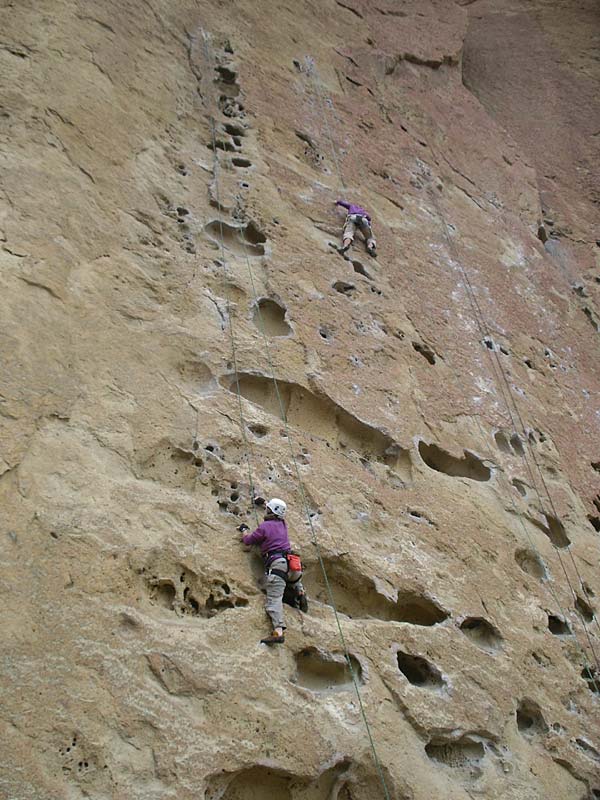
(442, 401)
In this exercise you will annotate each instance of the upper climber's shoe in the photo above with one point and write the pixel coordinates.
(273, 639)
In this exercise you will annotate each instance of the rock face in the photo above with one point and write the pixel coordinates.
(433, 426)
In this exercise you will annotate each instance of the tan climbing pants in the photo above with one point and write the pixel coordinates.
(354, 221)
(275, 586)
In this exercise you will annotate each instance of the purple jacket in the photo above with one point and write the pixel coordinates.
(354, 209)
(272, 536)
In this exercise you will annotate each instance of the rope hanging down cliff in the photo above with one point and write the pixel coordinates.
(313, 533)
(505, 391)
(230, 325)
(509, 400)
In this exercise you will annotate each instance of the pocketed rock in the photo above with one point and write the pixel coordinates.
(440, 402)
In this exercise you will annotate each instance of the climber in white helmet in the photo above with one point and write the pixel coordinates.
(282, 567)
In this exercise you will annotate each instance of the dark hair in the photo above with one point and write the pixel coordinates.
(270, 515)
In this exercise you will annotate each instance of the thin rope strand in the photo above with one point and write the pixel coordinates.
(314, 537)
(508, 400)
(246, 446)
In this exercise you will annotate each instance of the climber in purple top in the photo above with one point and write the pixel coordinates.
(281, 573)
(357, 217)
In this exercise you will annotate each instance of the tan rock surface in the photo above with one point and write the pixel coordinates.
(442, 401)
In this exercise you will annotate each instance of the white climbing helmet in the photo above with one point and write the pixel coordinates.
(277, 507)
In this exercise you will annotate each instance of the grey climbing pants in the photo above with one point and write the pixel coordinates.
(354, 221)
(275, 586)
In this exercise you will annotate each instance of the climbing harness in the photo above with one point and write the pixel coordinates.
(304, 501)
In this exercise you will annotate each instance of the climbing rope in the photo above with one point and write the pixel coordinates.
(507, 396)
(315, 540)
(304, 501)
(216, 167)
(509, 400)
(311, 68)
(547, 584)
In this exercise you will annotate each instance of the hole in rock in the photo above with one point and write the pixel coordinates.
(469, 466)
(482, 633)
(221, 144)
(258, 430)
(321, 417)
(215, 602)
(238, 240)
(588, 748)
(557, 626)
(425, 351)
(324, 333)
(269, 317)
(594, 522)
(226, 75)
(344, 288)
(502, 442)
(417, 609)
(163, 594)
(324, 672)
(586, 611)
(592, 318)
(556, 532)
(595, 465)
(254, 235)
(231, 107)
(234, 130)
(356, 596)
(241, 162)
(530, 719)
(531, 563)
(590, 676)
(517, 444)
(304, 137)
(520, 486)
(360, 269)
(257, 783)
(456, 753)
(419, 671)
(345, 780)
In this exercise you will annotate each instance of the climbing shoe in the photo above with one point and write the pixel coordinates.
(273, 639)
(344, 249)
(303, 602)
(372, 252)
